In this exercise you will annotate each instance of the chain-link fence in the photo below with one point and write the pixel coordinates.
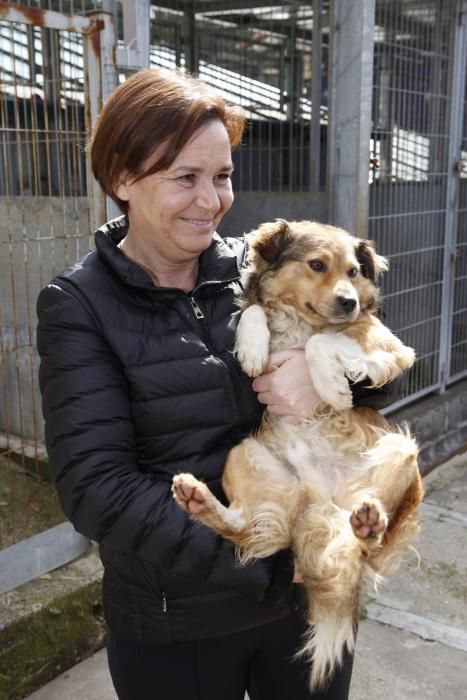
(261, 58)
(413, 216)
(45, 104)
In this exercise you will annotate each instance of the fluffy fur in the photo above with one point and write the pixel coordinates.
(342, 487)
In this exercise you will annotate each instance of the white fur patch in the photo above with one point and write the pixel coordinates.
(332, 359)
(233, 517)
(252, 341)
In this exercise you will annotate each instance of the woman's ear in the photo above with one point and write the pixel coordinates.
(121, 189)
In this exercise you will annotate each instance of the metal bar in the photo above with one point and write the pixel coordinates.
(100, 78)
(36, 555)
(411, 398)
(44, 18)
(190, 41)
(458, 376)
(316, 78)
(452, 189)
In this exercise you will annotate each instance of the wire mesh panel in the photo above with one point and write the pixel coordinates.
(413, 63)
(458, 366)
(44, 226)
(76, 7)
(258, 55)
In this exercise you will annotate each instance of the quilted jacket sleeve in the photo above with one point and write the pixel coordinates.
(91, 445)
(383, 397)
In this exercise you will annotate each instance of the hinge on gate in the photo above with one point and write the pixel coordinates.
(442, 373)
(455, 253)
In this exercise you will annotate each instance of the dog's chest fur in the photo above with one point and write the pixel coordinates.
(288, 330)
(326, 449)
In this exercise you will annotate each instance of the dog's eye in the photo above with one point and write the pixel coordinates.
(317, 265)
(353, 272)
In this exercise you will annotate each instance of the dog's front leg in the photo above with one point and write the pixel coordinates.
(252, 341)
(335, 358)
(384, 354)
(324, 353)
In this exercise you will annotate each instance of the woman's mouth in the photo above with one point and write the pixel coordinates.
(199, 222)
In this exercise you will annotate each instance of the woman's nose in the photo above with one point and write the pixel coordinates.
(208, 196)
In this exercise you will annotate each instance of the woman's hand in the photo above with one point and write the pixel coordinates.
(287, 390)
(297, 576)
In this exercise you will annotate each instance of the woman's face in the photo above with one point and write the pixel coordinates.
(174, 213)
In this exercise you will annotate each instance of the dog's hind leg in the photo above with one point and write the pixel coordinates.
(261, 497)
(392, 467)
(205, 507)
(396, 482)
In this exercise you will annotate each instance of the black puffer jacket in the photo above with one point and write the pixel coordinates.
(135, 389)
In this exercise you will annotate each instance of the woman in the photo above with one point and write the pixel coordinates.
(139, 383)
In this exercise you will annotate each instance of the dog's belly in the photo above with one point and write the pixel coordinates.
(317, 453)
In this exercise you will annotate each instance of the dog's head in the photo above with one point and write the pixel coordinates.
(326, 274)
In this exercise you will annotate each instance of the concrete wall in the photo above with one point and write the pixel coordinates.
(439, 422)
(253, 208)
(39, 236)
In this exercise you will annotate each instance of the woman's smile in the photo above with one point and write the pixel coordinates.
(173, 213)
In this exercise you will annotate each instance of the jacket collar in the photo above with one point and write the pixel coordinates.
(217, 264)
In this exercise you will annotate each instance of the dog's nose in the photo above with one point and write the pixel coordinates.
(347, 304)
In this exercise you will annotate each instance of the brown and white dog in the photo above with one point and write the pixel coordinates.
(342, 487)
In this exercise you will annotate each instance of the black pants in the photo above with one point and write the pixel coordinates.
(223, 668)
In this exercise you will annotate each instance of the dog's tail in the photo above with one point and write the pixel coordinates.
(329, 558)
(325, 645)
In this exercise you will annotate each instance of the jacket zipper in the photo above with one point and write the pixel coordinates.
(197, 311)
(164, 602)
(231, 369)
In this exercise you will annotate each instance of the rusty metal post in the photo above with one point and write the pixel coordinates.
(100, 77)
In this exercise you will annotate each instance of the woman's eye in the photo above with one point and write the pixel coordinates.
(317, 265)
(353, 272)
(188, 179)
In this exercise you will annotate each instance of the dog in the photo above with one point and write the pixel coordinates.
(340, 488)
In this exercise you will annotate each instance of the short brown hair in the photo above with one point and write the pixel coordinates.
(154, 107)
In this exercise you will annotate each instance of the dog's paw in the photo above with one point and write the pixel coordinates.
(331, 383)
(327, 370)
(334, 391)
(252, 341)
(190, 493)
(406, 357)
(369, 520)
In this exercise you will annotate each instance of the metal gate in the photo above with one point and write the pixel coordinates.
(55, 71)
(457, 360)
(272, 59)
(417, 181)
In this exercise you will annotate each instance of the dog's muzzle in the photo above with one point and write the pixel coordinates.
(346, 304)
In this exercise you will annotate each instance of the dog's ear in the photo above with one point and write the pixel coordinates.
(270, 240)
(371, 264)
